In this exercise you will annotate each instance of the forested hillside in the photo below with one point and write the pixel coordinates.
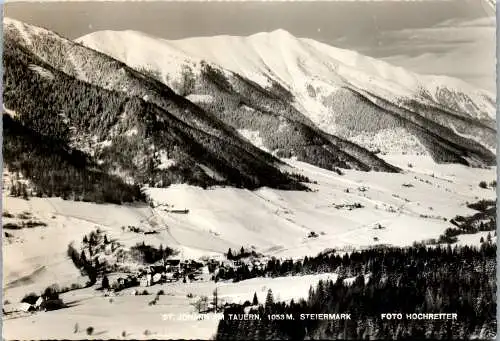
(248, 107)
(55, 169)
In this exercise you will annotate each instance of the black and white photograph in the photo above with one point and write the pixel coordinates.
(249, 170)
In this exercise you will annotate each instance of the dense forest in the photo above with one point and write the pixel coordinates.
(55, 169)
(459, 280)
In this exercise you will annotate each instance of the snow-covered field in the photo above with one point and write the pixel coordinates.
(133, 315)
(414, 205)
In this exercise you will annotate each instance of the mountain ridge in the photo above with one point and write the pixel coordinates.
(316, 95)
(138, 141)
(281, 34)
(113, 75)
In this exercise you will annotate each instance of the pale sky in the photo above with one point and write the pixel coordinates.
(454, 38)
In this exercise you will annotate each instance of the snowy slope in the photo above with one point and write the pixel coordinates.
(275, 222)
(319, 76)
(115, 317)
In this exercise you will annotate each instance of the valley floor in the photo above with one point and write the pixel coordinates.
(412, 206)
(133, 315)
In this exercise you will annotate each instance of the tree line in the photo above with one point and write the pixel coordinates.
(349, 265)
(483, 220)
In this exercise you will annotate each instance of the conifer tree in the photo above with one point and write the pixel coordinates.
(83, 258)
(255, 300)
(269, 298)
(105, 282)
(215, 299)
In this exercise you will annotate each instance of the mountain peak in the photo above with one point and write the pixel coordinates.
(23, 29)
(8, 20)
(275, 34)
(175, 141)
(306, 68)
(281, 32)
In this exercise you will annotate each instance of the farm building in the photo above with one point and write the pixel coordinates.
(177, 211)
(172, 262)
(25, 307)
(169, 277)
(156, 278)
(38, 302)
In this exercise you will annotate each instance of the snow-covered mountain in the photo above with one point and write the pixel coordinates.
(97, 118)
(365, 100)
(123, 133)
(294, 135)
(150, 111)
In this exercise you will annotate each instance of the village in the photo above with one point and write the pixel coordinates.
(115, 283)
(174, 269)
(111, 268)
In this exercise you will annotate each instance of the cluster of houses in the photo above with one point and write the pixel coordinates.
(173, 270)
(170, 270)
(251, 263)
(136, 229)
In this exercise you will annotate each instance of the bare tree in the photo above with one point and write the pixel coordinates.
(201, 304)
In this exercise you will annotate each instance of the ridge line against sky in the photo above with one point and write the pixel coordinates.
(487, 2)
(425, 36)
